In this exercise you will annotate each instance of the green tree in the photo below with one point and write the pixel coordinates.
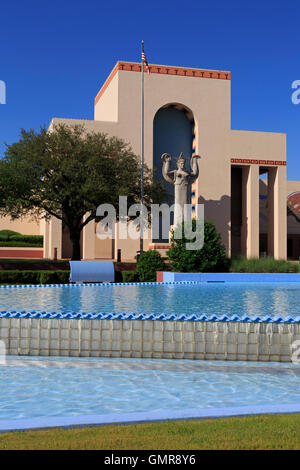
(210, 258)
(67, 173)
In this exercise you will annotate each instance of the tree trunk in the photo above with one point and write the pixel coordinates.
(75, 239)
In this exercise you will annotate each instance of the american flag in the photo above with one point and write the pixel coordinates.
(144, 60)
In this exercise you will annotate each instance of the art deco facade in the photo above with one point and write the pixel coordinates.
(188, 110)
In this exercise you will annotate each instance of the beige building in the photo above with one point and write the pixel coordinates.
(188, 110)
(24, 225)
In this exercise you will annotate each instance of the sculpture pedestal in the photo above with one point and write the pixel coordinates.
(162, 248)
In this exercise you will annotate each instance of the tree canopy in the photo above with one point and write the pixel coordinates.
(67, 173)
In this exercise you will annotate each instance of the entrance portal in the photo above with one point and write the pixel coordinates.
(173, 133)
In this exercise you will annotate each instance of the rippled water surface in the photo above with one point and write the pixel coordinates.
(240, 299)
(42, 387)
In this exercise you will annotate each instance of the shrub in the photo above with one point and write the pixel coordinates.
(210, 258)
(130, 276)
(147, 265)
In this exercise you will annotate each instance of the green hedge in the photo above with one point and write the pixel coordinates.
(53, 277)
(27, 238)
(11, 238)
(6, 234)
(130, 276)
(263, 265)
(34, 277)
(126, 276)
(10, 243)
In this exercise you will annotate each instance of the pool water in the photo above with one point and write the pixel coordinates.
(251, 299)
(34, 387)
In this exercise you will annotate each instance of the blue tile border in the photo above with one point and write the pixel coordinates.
(142, 316)
(133, 315)
(98, 284)
(147, 416)
(231, 277)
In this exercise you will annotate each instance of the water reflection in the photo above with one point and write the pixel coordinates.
(252, 304)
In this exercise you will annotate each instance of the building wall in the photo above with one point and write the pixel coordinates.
(106, 103)
(257, 145)
(25, 226)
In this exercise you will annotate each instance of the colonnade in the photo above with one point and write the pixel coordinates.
(277, 217)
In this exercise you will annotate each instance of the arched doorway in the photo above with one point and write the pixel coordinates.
(173, 133)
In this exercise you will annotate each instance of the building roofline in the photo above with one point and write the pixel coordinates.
(173, 66)
(163, 70)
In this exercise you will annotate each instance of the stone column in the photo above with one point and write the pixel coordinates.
(88, 239)
(277, 212)
(272, 173)
(55, 238)
(250, 210)
(45, 233)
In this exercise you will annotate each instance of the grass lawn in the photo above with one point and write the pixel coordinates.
(274, 432)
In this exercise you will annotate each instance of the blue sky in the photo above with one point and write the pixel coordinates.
(56, 55)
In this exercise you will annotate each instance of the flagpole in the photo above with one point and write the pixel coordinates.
(142, 150)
